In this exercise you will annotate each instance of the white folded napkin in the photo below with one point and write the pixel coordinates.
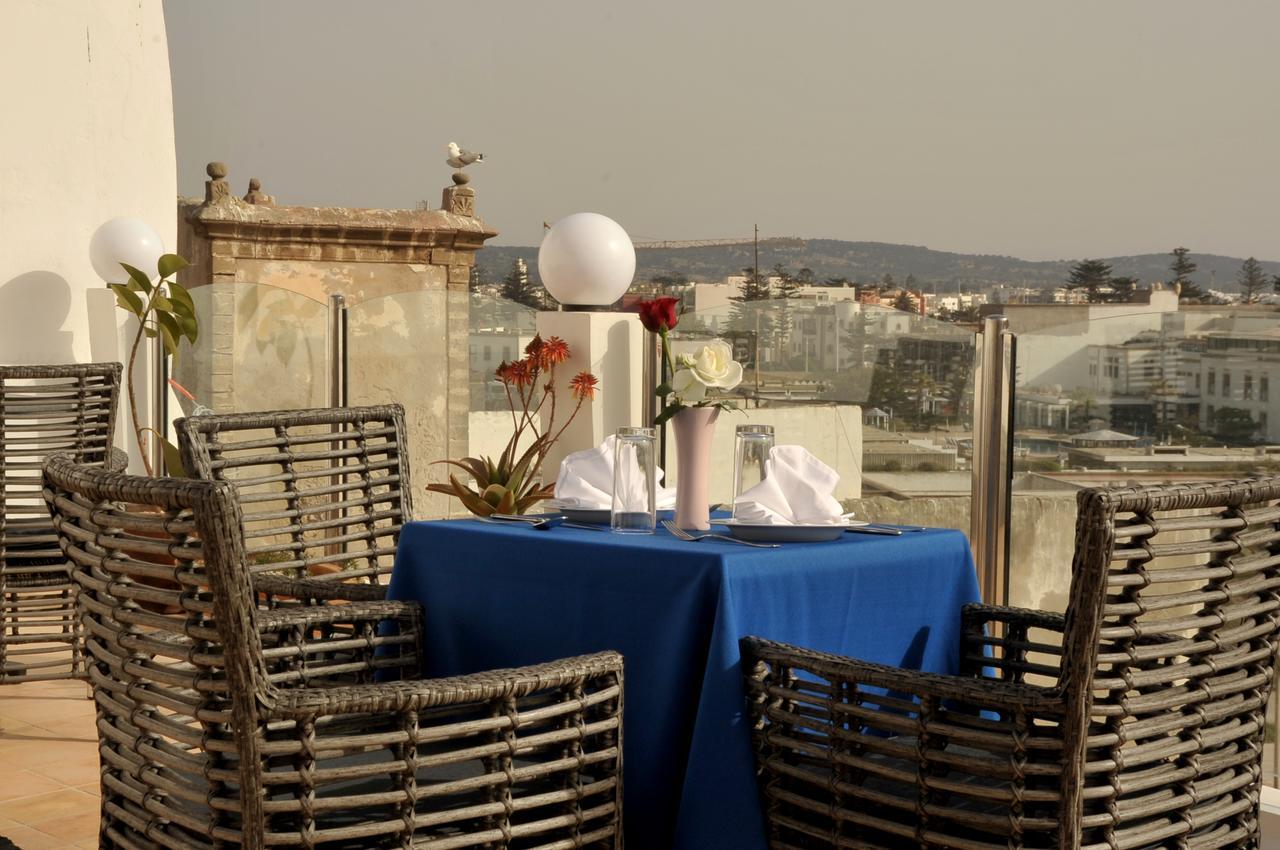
(585, 481)
(796, 490)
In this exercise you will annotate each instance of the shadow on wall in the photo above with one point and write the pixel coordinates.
(33, 308)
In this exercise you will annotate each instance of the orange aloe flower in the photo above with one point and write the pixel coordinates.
(584, 385)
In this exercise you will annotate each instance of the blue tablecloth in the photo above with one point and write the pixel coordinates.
(506, 595)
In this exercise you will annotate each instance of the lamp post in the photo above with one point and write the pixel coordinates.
(587, 262)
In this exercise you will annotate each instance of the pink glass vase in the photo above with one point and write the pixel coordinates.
(694, 427)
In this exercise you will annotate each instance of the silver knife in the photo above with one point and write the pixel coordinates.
(872, 529)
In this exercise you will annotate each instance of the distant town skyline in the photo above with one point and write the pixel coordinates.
(1088, 129)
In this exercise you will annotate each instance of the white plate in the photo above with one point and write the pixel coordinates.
(759, 532)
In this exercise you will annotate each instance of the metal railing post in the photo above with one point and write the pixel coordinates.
(992, 488)
(159, 404)
(336, 352)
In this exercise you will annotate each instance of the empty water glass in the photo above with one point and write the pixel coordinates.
(635, 485)
(752, 444)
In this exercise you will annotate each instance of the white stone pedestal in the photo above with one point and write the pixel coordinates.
(610, 346)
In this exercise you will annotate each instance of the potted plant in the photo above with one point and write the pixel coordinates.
(163, 309)
(512, 483)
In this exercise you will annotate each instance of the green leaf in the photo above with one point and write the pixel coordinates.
(144, 282)
(181, 298)
(672, 410)
(173, 460)
(190, 328)
(170, 331)
(151, 332)
(663, 389)
(126, 299)
(159, 302)
(171, 264)
(469, 499)
(473, 467)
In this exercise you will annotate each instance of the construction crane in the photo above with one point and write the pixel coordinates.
(772, 242)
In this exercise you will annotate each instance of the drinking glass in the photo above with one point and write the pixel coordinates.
(751, 447)
(635, 497)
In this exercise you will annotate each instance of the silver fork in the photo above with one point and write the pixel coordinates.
(680, 534)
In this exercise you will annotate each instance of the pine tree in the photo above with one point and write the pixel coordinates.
(1182, 267)
(1251, 279)
(748, 315)
(1093, 276)
(1122, 289)
(517, 287)
(804, 276)
(787, 288)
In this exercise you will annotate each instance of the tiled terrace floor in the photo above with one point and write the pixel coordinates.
(48, 766)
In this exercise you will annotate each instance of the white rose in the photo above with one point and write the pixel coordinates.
(686, 386)
(711, 366)
(714, 365)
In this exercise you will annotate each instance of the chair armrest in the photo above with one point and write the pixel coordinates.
(981, 614)
(117, 461)
(1011, 637)
(310, 591)
(760, 655)
(341, 644)
(498, 686)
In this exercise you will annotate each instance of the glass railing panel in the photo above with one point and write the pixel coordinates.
(883, 396)
(260, 348)
(1144, 397)
(411, 348)
(1138, 397)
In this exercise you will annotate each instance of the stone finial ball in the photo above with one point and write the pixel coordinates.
(461, 178)
(254, 184)
(216, 170)
(586, 260)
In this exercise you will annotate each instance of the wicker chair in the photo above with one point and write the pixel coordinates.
(225, 725)
(45, 409)
(1137, 720)
(323, 492)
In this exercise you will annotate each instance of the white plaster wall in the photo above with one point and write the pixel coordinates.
(86, 135)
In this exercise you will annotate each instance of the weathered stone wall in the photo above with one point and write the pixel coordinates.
(261, 278)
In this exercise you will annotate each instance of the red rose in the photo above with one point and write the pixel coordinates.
(659, 314)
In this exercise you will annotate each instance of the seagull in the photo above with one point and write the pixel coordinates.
(460, 157)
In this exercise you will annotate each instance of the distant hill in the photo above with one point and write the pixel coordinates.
(868, 261)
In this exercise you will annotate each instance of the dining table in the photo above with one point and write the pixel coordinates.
(505, 594)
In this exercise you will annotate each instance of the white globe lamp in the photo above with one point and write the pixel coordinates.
(586, 260)
(124, 240)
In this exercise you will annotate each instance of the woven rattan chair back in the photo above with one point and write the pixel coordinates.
(1169, 655)
(324, 492)
(44, 409)
(1135, 721)
(221, 724)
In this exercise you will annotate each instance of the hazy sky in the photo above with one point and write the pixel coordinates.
(1034, 129)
